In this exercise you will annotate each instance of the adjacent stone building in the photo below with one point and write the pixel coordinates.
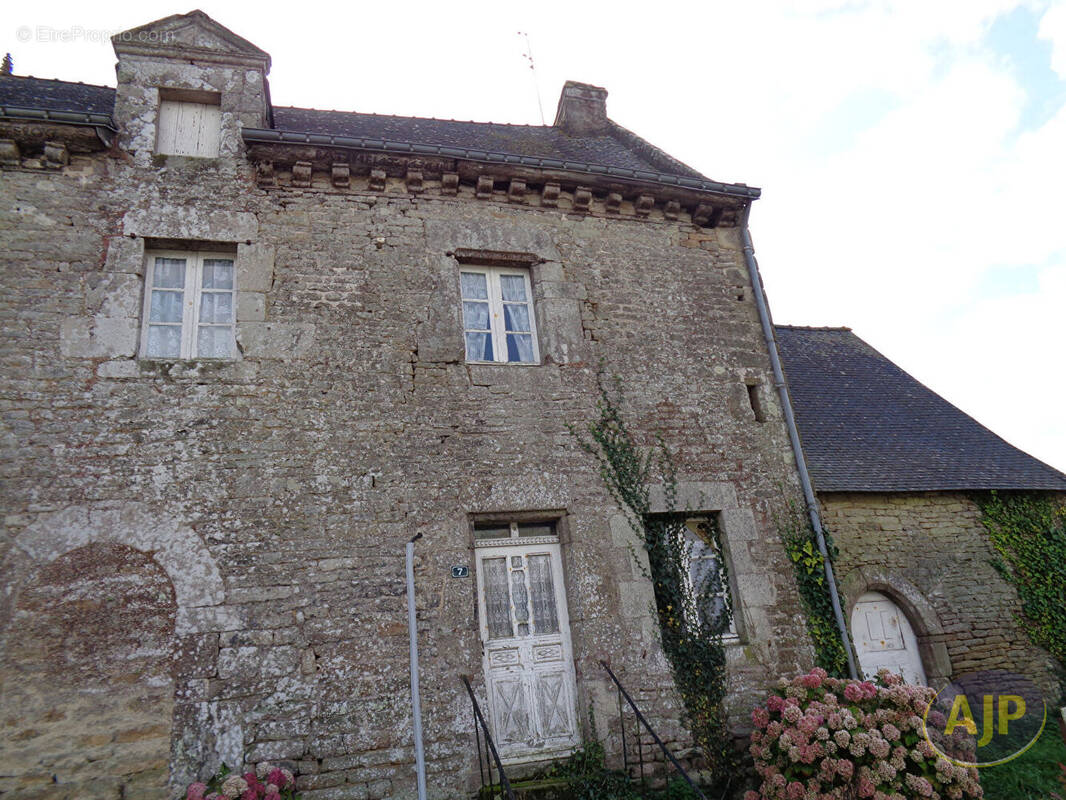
(251, 351)
(899, 471)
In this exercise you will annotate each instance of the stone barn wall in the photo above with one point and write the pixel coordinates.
(929, 552)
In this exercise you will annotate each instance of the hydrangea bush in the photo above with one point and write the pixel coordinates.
(267, 782)
(822, 738)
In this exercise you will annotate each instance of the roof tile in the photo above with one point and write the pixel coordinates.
(868, 426)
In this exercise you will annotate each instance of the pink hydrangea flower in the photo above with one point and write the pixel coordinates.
(196, 791)
(920, 785)
(234, 786)
(879, 748)
(760, 717)
(845, 768)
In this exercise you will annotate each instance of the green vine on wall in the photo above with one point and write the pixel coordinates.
(1028, 533)
(809, 569)
(691, 640)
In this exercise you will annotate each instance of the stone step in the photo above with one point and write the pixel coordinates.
(542, 789)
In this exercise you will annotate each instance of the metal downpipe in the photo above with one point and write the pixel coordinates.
(416, 702)
(793, 434)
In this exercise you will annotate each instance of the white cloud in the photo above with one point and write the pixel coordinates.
(1053, 28)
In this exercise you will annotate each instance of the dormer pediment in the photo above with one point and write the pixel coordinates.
(190, 36)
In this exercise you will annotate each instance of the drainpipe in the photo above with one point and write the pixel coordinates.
(793, 433)
(416, 703)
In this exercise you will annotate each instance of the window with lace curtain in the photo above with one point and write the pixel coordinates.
(498, 323)
(189, 306)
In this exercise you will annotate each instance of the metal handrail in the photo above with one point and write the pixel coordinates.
(677, 765)
(479, 722)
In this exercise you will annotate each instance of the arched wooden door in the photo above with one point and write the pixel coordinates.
(885, 639)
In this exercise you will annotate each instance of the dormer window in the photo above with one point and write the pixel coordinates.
(190, 123)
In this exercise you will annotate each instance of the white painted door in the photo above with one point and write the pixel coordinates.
(884, 639)
(525, 634)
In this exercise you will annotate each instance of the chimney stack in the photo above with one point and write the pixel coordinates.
(582, 109)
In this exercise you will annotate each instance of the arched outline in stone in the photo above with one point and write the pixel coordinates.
(920, 613)
(198, 589)
(181, 553)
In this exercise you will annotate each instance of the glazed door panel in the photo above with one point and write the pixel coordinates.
(529, 668)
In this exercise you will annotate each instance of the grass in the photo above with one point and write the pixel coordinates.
(1034, 775)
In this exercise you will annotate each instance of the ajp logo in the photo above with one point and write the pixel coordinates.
(985, 718)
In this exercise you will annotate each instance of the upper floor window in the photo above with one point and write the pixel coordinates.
(190, 124)
(498, 321)
(189, 304)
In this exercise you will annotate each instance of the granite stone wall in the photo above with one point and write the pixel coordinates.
(930, 554)
(271, 496)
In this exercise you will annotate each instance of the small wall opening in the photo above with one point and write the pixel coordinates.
(755, 400)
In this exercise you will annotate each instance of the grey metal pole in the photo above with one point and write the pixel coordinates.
(793, 434)
(416, 703)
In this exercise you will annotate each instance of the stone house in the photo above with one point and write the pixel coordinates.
(251, 351)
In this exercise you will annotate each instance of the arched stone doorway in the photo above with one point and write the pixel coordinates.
(86, 678)
(885, 639)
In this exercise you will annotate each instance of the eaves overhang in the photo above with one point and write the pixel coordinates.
(259, 136)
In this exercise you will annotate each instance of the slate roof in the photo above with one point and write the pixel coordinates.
(541, 141)
(868, 426)
(616, 148)
(28, 92)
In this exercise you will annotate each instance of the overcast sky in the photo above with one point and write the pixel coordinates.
(912, 153)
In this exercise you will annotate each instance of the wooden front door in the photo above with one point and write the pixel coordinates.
(525, 634)
(884, 639)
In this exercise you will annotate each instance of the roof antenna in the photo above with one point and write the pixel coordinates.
(528, 56)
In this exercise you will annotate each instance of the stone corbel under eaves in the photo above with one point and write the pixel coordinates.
(314, 167)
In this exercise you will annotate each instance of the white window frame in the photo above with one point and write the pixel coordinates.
(191, 294)
(710, 551)
(496, 318)
(186, 128)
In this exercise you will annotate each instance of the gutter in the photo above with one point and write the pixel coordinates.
(104, 125)
(793, 433)
(263, 136)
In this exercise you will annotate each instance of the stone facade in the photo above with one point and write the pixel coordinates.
(930, 554)
(230, 534)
